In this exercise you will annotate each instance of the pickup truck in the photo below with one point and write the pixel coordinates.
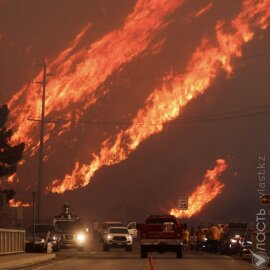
(118, 237)
(161, 233)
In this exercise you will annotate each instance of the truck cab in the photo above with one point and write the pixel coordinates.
(161, 233)
(73, 234)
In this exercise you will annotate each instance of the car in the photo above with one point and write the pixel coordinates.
(230, 242)
(73, 234)
(39, 245)
(49, 233)
(104, 227)
(118, 237)
(246, 241)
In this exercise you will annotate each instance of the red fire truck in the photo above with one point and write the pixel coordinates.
(161, 233)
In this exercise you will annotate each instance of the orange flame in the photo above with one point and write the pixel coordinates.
(166, 102)
(12, 178)
(195, 14)
(79, 74)
(204, 10)
(13, 203)
(208, 190)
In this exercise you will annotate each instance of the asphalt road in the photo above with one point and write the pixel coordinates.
(117, 259)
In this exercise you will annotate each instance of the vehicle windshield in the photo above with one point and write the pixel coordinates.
(44, 228)
(68, 226)
(119, 230)
(114, 225)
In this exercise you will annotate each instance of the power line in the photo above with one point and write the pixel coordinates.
(234, 114)
(252, 56)
(228, 117)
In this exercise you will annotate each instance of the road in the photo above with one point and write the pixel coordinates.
(95, 259)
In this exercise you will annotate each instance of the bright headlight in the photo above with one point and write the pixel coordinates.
(80, 237)
(42, 240)
(109, 237)
(129, 238)
(233, 241)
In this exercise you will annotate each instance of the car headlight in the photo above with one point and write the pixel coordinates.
(41, 240)
(80, 237)
(233, 241)
(129, 238)
(109, 237)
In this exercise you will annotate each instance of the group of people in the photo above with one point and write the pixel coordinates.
(196, 239)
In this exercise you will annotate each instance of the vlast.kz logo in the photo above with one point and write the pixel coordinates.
(260, 259)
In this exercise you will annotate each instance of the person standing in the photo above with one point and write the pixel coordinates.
(185, 239)
(200, 239)
(192, 239)
(214, 236)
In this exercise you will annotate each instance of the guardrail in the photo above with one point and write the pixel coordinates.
(11, 241)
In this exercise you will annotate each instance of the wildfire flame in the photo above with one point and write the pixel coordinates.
(204, 10)
(208, 190)
(166, 102)
(78, 74)
(13, 203)
(200, 12)
(12, 178)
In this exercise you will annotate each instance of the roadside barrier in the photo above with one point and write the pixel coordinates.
(12, 241)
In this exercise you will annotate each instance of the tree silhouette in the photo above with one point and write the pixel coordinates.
(10, 155)
(10, 193)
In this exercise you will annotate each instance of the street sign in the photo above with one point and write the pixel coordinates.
(266, 199)
(183, 203)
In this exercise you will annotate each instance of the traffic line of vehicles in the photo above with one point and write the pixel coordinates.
(164, 233)
(159, 233)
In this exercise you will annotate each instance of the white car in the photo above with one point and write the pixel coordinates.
(104, 227)
(118, 237)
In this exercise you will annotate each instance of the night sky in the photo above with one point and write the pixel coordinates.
(171, 163)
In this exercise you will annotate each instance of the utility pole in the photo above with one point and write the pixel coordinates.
(41, 144)
(34, 219)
